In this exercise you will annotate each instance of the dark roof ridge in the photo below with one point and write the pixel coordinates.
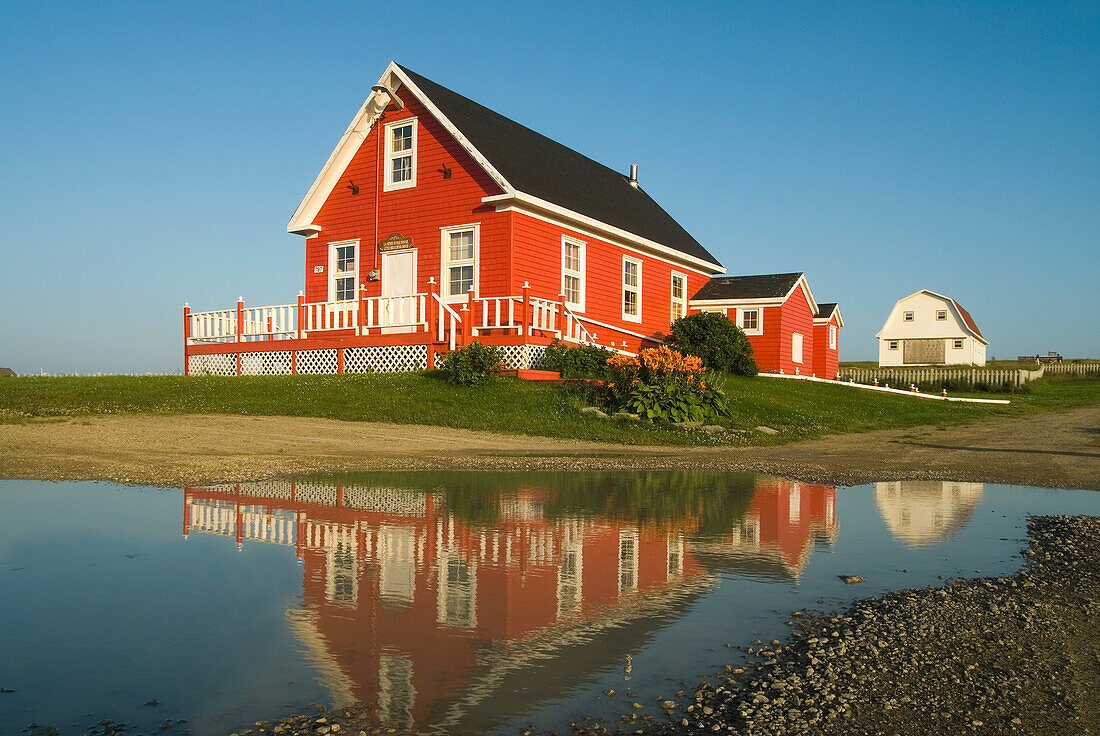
(541, 167)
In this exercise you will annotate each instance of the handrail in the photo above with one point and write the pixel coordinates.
(455, 320)
(575, 331)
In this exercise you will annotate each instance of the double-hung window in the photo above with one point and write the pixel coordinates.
(459, 261)
(749, 321)
(906, 316)
(941, 315)
(632, 289)
(572, 272)
(679, 296)
(343, 274)
(400, 155)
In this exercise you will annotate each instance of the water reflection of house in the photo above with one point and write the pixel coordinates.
(921, 512)
(778, 533)
(423, 615)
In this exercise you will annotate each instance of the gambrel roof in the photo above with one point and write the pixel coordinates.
(967, 321)
(532, 170)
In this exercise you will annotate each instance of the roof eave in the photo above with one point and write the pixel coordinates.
(501, 200)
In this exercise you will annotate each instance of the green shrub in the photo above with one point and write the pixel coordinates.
(582, 361)
(473, 364)
(662, 384)
(714, 339)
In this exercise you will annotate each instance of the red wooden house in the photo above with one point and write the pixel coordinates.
(789, 331)
(436, 221)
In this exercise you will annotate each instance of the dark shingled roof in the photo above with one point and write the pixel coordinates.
(536, 165)
(825, 311)
(774, 285)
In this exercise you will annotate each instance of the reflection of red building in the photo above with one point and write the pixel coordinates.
(411, 610)
(778, 532)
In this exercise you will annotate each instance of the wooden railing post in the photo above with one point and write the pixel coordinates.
(361, 330)
(470, 319)
(465, 321)
(301, 315)
(525, 324)
(186, 334)
(240, 318)
(433, 306)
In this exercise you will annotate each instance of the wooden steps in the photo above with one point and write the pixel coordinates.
(531, 375)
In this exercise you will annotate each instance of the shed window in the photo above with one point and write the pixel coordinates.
(941, 315)
(750, 320)
(832, 337)
(957, 344)
(907, 316)
(892, 345)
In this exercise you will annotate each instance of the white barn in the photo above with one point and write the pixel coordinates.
(927, 328)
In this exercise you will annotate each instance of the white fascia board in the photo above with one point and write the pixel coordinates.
(731, 303)
(302, 221)
(450, 128)
(806, 288)
(522, 202)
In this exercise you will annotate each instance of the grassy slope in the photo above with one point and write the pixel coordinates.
(800, 410)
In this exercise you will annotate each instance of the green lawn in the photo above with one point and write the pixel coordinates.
(798, 409)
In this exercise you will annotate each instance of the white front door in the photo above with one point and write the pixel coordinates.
(398, 305)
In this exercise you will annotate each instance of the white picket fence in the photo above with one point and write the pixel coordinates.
(903, 377)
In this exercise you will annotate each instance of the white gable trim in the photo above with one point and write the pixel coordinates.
(946, 299)
(550, 212)
(827, 319)
(302, 221)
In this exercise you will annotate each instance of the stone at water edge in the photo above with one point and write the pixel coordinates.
(852, 579)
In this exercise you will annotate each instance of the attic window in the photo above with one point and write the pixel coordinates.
(941, 315)
(400, 155)
(907, 317)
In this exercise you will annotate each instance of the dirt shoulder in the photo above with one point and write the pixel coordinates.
(1054, 449)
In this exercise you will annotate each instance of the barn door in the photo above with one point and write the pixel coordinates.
(398, 307)
(924, 352)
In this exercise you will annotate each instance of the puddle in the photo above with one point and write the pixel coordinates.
(458, 602)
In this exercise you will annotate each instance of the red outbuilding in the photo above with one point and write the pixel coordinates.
(779, 316)
(437, 221)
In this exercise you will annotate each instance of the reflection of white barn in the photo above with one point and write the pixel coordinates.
(925, 512)
(927, 328)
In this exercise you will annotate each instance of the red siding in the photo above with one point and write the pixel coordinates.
(826, 359)
(796, 316)
(537, 254)
(417, 212)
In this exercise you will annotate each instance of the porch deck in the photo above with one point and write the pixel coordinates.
(385, 333)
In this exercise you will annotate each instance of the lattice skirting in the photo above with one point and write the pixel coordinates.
(386, 359)
(265, 364)
(218, 364)
(523, 357)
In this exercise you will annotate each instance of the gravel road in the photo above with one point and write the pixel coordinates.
(1060, 449)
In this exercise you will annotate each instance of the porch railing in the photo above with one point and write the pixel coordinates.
(448, 323)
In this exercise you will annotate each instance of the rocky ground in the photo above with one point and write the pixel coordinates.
(1011, 655)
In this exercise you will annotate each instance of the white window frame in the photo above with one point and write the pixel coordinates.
(579, 274)
(388, 184)
(636, 290)
(797, 345)
(957, 344)
(939, 312)
(333, 274)
(892, 344)
(832, 337)
(907, 316)
(446, 263)
(759, 329)
(674, 300)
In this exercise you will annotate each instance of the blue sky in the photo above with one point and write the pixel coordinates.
(152, 153)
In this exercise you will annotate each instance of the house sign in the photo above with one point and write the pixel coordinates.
(396, 241)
